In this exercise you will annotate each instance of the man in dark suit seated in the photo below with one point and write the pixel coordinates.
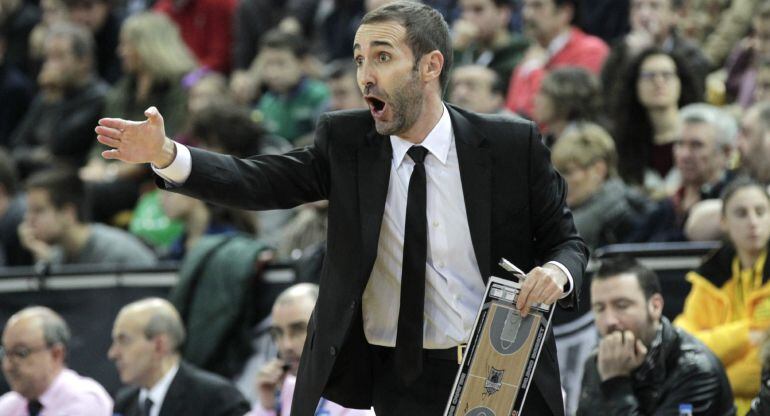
(146, 339)
(424, 200)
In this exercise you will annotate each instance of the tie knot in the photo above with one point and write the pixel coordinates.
(417, 153)
(34, 407)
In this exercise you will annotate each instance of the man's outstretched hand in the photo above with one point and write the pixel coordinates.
(137, 141)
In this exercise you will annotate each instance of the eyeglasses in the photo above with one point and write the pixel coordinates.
(21, 353)
(648, 76)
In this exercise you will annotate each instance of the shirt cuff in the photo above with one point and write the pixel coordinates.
(179, 170)
(570, 284)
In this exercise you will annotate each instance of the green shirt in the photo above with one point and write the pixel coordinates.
(294, 114)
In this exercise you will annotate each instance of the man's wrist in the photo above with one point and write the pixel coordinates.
(167, 154)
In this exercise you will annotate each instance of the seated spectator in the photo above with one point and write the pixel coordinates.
(15, 88)
(17, 19)
(646, 117)
(12, 208)
(104, 21)
(275, 381)
(762, 92)
(481, 36)
(607, 19)
(292, 101)
(643, 364)
(59, 125)
(743, 64)
(343, 87)
(555, 43)
(34, 354)
(206, 27)
(730, 21)
(605, 210)
(702, 159)
(567, 96)
(758, 145)
(52, 12)
(728, 307)
(146, 340)
(477, 88)
(653, 24)
(55, 231)
(252, 19)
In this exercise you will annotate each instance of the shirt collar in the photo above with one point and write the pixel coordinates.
(558, 43)
(46, 399)
(438, 141)
(158, 392)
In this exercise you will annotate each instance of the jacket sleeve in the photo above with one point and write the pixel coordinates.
(260, 182)
(556, 238)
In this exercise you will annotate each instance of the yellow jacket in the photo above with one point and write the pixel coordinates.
(715, 314)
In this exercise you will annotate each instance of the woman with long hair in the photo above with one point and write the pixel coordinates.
(646, 116)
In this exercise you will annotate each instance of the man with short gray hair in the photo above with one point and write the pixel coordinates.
(146, 341)
(34, 353)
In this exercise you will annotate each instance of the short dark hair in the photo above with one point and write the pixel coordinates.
(426, 30)
(279, 39)
(614, 266)
(63, 186)
(8, 174)
(736, 185)
(230, 127)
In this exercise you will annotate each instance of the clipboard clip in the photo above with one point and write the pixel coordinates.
(508, 266)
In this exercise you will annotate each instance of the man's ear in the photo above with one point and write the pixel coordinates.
(655, 306)
(431, 65)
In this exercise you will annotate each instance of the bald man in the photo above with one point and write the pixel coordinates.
(146, 342)
(275, 381)
(34, 356)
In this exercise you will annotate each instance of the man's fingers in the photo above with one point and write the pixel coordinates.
(114, 123)
(111, 154)
(108, 131)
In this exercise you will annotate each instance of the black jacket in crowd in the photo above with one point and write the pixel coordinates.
(761, 405)
(679, 370)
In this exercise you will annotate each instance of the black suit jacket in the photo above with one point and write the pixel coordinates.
(193, 392)
(514, 200)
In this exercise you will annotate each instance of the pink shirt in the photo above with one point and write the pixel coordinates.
(68, 395)
(327, 408)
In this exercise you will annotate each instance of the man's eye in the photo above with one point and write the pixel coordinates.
(384, 57)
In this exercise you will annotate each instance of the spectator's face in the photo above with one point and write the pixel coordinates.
(61, 68)
(345, 94)
(486, 16)
(281, 69)
(388, 77)
(658, 85)
(543, 20)
(135, 355)
(618, 304)
(582, 182)
(130, 59)
(655, 17)
(748, 134)
(746, 219)
(90, 13)
(758, 156)
(28, 363)
(289, 329)
(206, 92)
(544, 110)
(472, 88)
(48, 223)
(53, 11)
(697, 155)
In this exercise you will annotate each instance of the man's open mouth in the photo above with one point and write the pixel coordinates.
(376, 106)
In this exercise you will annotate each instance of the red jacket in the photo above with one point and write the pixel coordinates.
(581, 50)
(206, 27)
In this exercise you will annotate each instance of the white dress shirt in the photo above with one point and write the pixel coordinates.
(453, 284)
(158, 392)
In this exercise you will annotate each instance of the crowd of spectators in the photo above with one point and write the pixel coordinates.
(657, 113)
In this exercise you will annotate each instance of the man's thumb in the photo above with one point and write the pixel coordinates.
(153, 115)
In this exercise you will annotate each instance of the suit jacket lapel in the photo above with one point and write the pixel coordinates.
(373, 179)
(476, 177)
(173, 403)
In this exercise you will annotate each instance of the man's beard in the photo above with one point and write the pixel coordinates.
(405, 107)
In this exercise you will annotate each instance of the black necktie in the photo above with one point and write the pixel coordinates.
(34, 407)
(408, 354)
(146, 407)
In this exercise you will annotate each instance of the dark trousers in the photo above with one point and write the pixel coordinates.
(429, 394)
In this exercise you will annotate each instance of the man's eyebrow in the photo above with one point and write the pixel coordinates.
(375, 43)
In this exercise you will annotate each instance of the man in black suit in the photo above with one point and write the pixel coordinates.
(146, 339)
(435, 218)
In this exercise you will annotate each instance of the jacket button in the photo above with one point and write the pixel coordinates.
(353, 304)
(332, 351)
